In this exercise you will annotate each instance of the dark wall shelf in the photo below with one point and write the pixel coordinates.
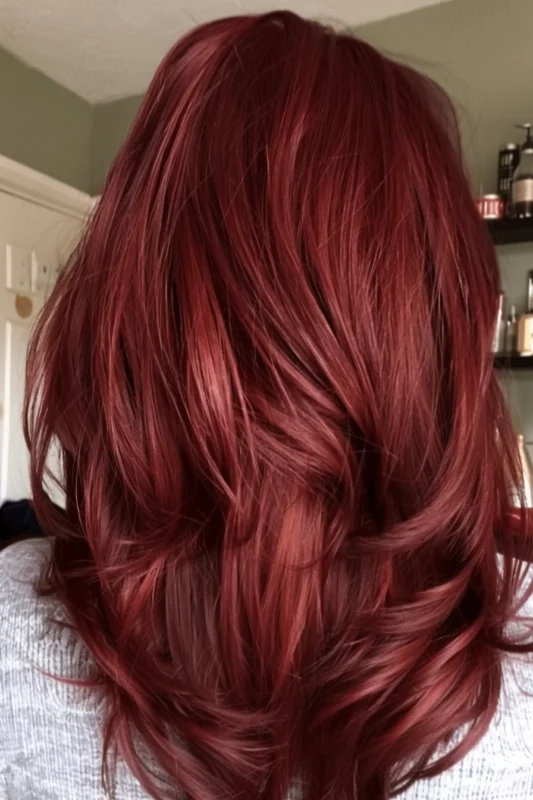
(510, 231)
(512, 361)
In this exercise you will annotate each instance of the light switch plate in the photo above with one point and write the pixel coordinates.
(19, 269)
(41, 276)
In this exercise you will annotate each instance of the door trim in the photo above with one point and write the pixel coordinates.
(22, 181)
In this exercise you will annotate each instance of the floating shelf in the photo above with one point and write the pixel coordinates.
(512, 361)
(510, 231)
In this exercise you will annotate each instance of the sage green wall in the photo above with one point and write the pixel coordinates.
(110, 125)
(463, 44)
(477, 50)
(44, 125)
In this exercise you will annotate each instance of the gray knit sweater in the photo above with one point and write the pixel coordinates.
(50, 732)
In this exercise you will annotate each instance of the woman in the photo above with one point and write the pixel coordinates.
(286, 455)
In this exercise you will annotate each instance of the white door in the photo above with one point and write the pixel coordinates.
(34, 243)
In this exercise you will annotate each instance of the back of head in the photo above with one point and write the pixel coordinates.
(285, 452)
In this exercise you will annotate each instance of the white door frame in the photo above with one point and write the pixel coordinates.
(21, 181)
(27, 187)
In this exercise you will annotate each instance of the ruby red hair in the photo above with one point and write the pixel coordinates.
(285, 452)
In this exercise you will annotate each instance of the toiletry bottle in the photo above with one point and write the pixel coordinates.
(498, 339)
(507, 334)
(527, 475)
(522, 187)
(525, 323)
(511, 331)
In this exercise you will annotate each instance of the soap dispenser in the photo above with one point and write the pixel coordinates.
(522, 190)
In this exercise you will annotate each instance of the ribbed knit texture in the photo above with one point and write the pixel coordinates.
(50, 732)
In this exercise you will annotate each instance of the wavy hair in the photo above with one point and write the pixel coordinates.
(285, 454)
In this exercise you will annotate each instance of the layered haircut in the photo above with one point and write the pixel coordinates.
(286, 457)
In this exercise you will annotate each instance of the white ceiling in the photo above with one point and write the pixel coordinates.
(105, 49)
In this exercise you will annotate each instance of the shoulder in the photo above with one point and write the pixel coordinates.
(24, 560)
(37, 640)
(21, 568)
(50, 720)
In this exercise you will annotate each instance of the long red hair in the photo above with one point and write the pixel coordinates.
(285, 452)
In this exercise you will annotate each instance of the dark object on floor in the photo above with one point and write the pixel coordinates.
(17, 519)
